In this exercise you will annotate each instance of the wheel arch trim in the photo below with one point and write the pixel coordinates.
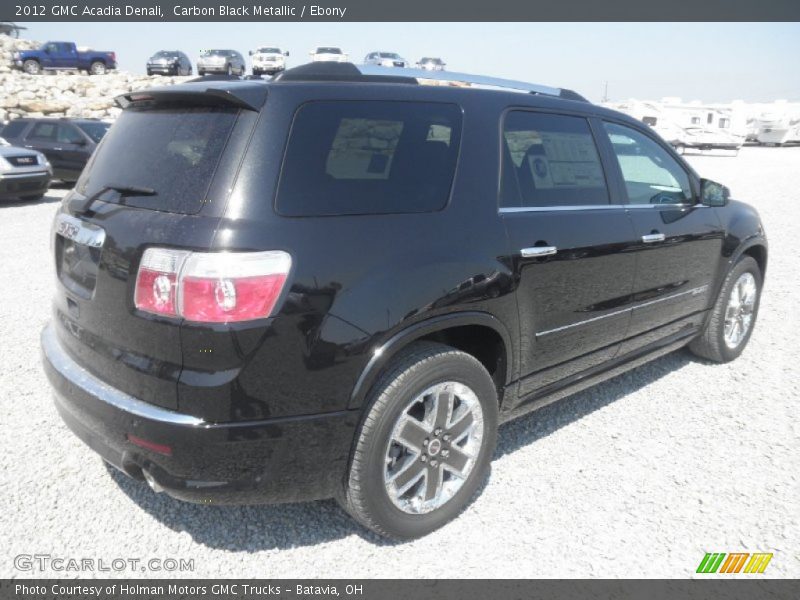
(383, 354)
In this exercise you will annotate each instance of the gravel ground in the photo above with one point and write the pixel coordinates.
(638, 477)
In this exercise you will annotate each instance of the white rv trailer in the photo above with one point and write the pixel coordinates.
(690, 125)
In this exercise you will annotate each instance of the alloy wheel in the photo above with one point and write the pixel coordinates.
(433, 447)
(739, 312)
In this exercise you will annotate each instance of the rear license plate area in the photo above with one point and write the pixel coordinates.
(78, 247)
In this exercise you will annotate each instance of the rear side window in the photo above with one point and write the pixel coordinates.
(13, 129)
(550, 160)
(349, 158)
(172, 151)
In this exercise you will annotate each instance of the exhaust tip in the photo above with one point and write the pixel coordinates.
(154, 485)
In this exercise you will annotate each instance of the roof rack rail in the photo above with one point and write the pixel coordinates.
(373, 73)
(480, 81)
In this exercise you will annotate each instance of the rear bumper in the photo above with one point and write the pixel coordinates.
(275, 460)
(16, 185)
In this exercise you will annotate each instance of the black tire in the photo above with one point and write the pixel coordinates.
(415, 370)
(200, 73)
(33, 198)
(32, 67)
(149, 73)
(711, 343)
(228, 70)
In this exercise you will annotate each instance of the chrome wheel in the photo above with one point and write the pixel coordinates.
(433, 447)
(739, 312)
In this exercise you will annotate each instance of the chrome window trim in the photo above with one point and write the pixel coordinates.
(523, 209)
(693, 291)
(85, 381)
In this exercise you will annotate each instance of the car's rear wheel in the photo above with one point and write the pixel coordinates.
(32, 67)
(229, 70)
(425, 444)
(733, 317)
(97, 68)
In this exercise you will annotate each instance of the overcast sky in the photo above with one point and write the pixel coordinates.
(713, 62)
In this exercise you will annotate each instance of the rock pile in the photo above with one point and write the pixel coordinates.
(63, 93)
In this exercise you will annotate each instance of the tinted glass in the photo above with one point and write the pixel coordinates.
(166, 54)
(67, 134)
(44, 132)
(269, 50)
(651, 175)
(550, 160)
(13, 129)
(328, 51)
(174, 151)
(369, 158)
(96, 131)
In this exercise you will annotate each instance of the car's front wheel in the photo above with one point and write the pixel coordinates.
(425, 443)
(32, 67)
(733, 317)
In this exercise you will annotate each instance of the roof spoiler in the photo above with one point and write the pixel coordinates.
(250, 97)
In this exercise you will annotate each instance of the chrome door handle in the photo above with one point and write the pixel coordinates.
(651, 238)
(538, 251)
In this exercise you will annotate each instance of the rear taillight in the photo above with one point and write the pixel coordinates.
(211, 287)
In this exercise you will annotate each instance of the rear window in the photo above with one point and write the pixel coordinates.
(173, 151)
(373, 157)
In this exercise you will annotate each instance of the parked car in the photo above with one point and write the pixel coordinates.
(431, 63)
(60, 56)
(169, 62)
(67, 143)
(227, 62)
(328, 54)
(24, 173)
(385, 59)
(277, 338)
(268, 60)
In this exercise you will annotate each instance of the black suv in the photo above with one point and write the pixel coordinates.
(67, 143)
(338, 284)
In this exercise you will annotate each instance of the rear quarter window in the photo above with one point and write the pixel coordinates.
(369, 157)
(174, 151)
(14, 129)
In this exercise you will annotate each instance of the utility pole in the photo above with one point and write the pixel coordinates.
(605, 93)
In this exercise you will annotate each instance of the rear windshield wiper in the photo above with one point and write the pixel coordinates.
(122, 190)
(130, 190)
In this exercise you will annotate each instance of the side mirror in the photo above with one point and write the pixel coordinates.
(286, 53)
(250, 52)
(713, 193)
